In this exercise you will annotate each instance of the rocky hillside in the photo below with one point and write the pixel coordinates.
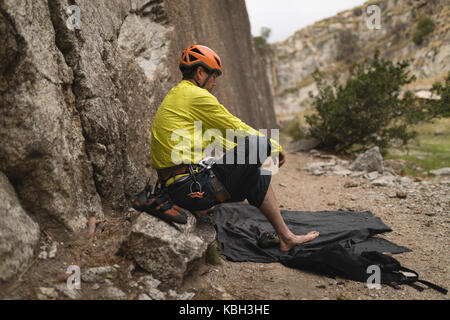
(77, 100)
(334, 43)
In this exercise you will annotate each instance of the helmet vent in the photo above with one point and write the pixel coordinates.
(192, 58)
(218, 62)
(197, 51)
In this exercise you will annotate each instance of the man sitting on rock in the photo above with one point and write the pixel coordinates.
(187, 114)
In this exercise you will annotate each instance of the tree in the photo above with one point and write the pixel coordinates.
(368, 110)
(261, 41)
(441, 106)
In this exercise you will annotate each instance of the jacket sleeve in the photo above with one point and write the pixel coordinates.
(213, 115)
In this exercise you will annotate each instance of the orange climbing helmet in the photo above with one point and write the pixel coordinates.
(198, 55)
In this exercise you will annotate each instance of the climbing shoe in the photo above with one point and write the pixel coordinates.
(159, 205)
(267, 240)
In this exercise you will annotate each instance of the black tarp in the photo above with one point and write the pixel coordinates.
(239, 226)
(347, 245)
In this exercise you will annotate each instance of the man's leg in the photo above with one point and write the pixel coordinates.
(271, 209)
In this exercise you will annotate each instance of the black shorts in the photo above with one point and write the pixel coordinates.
(239, 172)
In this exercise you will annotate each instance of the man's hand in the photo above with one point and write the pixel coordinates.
(282, 159)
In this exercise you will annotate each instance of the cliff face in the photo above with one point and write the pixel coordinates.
(77, 104)
(332, 44)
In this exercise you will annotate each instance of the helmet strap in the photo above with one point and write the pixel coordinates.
(196, 82)
(206, 81)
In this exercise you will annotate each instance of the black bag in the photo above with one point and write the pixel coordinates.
(334, 260)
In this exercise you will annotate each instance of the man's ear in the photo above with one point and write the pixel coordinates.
(197, 73)
(200, 70)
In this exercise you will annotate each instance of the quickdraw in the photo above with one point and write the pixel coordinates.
(198, 194)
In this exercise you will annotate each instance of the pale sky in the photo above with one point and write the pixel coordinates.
(284, 17)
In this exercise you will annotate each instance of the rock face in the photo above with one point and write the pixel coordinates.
(80, 85)
(42, 148)
(332, 43)
(19, 234)
(167, 253)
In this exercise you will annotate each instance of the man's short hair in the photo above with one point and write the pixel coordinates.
(189, 72)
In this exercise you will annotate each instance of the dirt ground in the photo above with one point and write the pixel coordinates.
(420, 222)
(414, 222)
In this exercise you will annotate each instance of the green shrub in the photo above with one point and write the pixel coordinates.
(424, 27)
(261, 41)
(441, 107)
(368, 110)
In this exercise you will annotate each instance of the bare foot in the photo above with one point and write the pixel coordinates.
(288, 244)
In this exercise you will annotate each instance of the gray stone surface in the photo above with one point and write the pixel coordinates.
(98, 273)
(42, 146)
(369, 161)
(165, 252)
(19, 234)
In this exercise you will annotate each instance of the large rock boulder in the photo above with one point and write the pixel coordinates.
(19, 234)
(168, 253)
(369, 161)
(42, 148)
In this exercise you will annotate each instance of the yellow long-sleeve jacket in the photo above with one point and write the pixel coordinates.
(191, 121)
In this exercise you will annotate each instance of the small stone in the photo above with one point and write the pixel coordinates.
(350, 184)
(96, 286)
(99, 273)
(404, 181)
(181, 296)
(344, 172)
(114, 293)
(151, 285)
(317, 172)
(53, 250)
(441, 172)
(343, 296)
(47, 293)
(155, 294)
(401, 194)
(143, 296)
(70, 293)
(372, 175)
(382, 181)
(357, 174)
